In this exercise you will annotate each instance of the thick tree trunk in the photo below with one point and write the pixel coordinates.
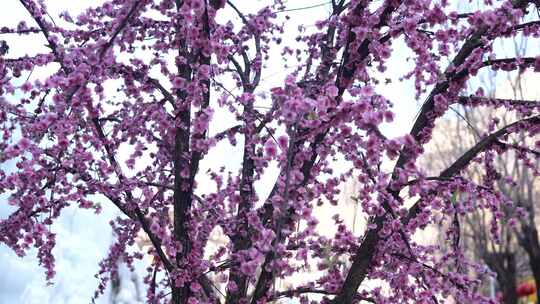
(535, 267)
(529, 241)
(509, 289)
(504, 264)
(180, 295)
(508, 280)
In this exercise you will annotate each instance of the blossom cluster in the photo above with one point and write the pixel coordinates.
(137, 89)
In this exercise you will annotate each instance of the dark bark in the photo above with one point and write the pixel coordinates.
(509, 278)
(241, 239)
(504, 264)
(183, 187)
(530, 242)
(534, 262)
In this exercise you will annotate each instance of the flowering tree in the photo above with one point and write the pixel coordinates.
(454, 136)
(503, 256)
(123, 118)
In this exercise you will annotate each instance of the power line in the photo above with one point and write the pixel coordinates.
(303, 8)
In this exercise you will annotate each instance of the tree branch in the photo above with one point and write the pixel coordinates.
(463, 161)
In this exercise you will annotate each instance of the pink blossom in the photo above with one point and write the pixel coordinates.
(283, 141)
(270, 149)
(169, 113)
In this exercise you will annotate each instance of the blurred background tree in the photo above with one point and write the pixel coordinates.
(515, 254)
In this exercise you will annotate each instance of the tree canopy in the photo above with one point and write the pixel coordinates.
(137, 110)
